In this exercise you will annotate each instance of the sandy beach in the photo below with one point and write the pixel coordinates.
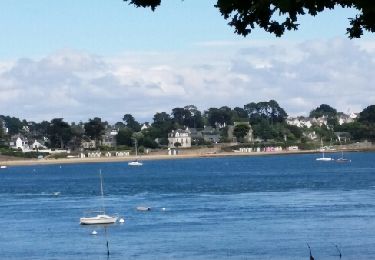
(153, 156)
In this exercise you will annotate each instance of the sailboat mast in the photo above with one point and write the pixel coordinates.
(101, 189)
(136, 148)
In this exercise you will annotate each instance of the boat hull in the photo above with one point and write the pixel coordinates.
(135, 164)
(324, 159)
(100, 219)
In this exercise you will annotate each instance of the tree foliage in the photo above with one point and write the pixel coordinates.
(59, 133)
(94, 128)
(277, 16)
(368, 115)
(131, 123)
(270, 111)
(323, 110)
(240, 131)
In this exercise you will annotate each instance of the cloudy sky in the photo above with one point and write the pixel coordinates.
(80, 59)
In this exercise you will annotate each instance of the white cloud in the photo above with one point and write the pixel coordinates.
(300, 76)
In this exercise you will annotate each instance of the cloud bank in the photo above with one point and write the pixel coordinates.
(300, 76)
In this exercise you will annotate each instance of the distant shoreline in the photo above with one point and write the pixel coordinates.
(182, 155)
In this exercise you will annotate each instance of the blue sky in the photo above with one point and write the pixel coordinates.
(86, 58)
(39, 27)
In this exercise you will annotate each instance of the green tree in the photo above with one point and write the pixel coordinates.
(131, 123)
(181, 116)
(279, 15)
(240, 131)
(196, 119)
(367, 115)
(59, 133)
(124, 137)
(162, 125)
(323, 110)
(94, 128)
(270, 111)
(219, 116)
(13, 124)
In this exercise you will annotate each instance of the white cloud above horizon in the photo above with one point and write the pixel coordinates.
(78, 85)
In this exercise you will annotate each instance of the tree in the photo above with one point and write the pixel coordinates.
(13, 124)
(276, 16)
(124, 137)
(181, 116)
(162, 125)
(59, 133)
(94, 128)
(131, 123)
(196, 119)
(323, 110)
(240, 131)
(270, 111)
(367, 115)
(219, 116)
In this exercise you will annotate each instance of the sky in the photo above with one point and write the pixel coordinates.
(88, 58)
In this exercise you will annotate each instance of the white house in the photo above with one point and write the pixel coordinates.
(37, 145)
(179, 136)
(145, 126)
(299, 121)
(20, 143)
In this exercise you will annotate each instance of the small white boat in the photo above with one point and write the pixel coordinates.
(342, 159)
(135, 163)
(3, 166)
(97, 220)
(323, 158)
(102, 217)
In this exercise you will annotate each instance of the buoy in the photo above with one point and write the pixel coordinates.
(94, 232)
(121, 220)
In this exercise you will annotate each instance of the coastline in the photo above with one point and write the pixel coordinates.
(191, 154)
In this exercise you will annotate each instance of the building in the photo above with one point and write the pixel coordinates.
(210, 134)
(183, 137)
(109, 138)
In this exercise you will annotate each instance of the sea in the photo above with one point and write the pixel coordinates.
(242, 207)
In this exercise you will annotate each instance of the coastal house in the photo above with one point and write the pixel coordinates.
(183, 137)
(109, 137)
(300, 121)
(37, 145)
(88, 144)
(344, 119)
(210, 134)
(342, 137)
(19, 142)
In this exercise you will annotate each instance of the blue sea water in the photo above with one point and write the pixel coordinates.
(266, 207)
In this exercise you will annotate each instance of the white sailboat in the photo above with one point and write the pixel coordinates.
(323, 158)
(135, 162)
(342, 159)
(101, 217)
